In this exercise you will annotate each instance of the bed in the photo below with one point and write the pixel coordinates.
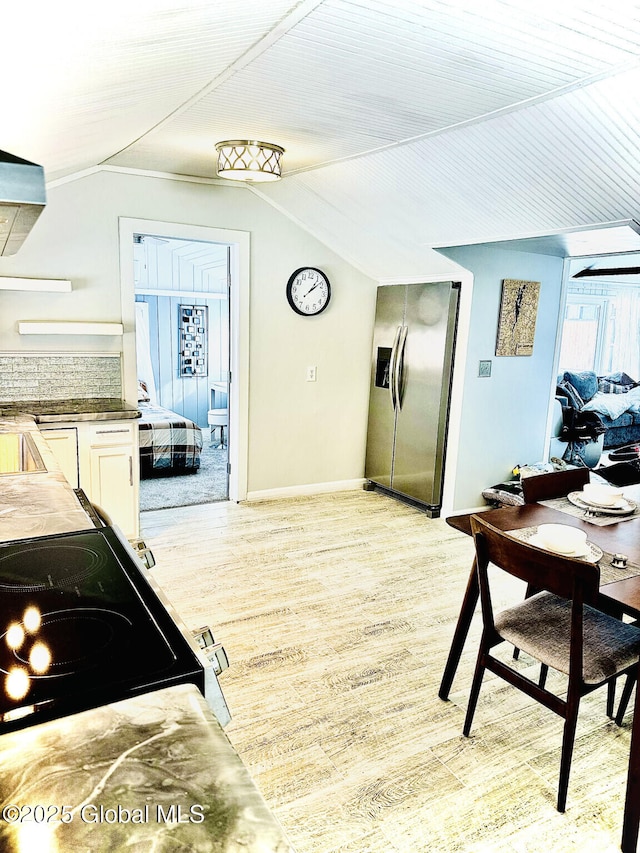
(169, 443)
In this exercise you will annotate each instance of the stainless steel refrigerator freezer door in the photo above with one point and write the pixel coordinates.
(390, 307)
(424, 385)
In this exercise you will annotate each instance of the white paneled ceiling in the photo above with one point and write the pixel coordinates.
(407, 124)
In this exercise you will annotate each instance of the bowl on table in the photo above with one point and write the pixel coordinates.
(602, 495)
(562, 539)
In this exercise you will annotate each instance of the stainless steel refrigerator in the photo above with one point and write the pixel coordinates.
(411, 371)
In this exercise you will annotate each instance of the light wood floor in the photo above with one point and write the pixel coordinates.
(337, 613)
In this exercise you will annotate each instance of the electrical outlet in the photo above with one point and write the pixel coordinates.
(484, 368)
(311, 374)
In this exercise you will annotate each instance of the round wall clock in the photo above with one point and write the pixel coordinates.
(308, 291)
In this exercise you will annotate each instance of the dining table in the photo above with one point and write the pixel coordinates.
(618, 537)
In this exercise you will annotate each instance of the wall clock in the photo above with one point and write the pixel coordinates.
(308, 291)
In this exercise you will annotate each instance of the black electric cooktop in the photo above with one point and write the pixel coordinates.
(81, 626)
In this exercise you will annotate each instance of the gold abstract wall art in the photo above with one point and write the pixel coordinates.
(518, 312)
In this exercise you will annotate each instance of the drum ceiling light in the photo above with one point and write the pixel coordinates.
(247, 160)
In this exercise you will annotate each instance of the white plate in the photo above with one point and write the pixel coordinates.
(623, 507)
(590, 551)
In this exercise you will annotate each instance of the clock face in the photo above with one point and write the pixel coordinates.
(308, 291)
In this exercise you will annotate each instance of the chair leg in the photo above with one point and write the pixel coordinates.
(475, 690)
(626, 695)
(568, 738)
(544, 671)
(611, 697)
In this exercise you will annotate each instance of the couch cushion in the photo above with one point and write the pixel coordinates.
(626, 419)
(585, 383)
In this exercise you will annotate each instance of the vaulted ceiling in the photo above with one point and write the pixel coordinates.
(407, 124)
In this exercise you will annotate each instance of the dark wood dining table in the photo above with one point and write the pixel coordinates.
(621, 596)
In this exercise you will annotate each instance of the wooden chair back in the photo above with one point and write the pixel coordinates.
(556, 484)
(543, 570)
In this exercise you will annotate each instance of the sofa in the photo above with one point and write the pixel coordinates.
(614, 399)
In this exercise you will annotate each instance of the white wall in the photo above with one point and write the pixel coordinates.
(299, 432)
(504, 417)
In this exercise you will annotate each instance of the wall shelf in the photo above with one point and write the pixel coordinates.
(41, 285)
(70, 328)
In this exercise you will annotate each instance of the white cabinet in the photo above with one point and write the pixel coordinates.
(106, 466)
(64, 444)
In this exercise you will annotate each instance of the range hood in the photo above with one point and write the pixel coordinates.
(22, 200)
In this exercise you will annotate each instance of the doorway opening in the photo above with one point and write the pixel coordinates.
(182, 362)
(209, 267)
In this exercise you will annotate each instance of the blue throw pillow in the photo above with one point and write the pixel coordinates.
(585, 383)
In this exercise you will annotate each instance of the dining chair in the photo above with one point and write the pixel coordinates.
(558, 626)
(556, 484)
(541, 487)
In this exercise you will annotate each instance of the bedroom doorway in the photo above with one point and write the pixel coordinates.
(182, 361)
(165, 268)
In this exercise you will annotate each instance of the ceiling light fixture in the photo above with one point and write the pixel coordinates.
(247, 160)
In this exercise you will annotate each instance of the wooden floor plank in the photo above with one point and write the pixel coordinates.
(337, 613)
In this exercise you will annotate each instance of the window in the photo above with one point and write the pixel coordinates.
(583, 332)
(601, 329)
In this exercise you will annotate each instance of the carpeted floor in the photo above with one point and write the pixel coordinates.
(207, 485)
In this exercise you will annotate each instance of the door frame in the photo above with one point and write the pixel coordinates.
(239, 243)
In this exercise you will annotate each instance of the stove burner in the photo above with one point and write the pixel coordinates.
(38, 568)
(77, 640)
(81, 626)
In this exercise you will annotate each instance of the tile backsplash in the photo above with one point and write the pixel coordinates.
(59, 376)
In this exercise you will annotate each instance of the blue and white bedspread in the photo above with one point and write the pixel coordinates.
(168, 441)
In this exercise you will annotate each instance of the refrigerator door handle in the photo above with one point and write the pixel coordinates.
(392, 371)
(399, 365)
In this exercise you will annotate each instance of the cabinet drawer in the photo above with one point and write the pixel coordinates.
(108, 434)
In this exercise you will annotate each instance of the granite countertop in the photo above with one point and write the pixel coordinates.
(54, 411)
(38, 503)
(42, 503)
(155, 772)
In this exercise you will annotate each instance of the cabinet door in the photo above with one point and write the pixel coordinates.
(64, 446)
(113, 485)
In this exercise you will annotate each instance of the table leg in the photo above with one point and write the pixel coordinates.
(632, 801)
(467, 610)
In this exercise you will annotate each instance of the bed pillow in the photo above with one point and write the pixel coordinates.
(612, 405)
(143, 394)
(575, 400)
(585, 383)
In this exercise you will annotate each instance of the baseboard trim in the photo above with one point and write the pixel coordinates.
(304, 490)
(466, 511)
